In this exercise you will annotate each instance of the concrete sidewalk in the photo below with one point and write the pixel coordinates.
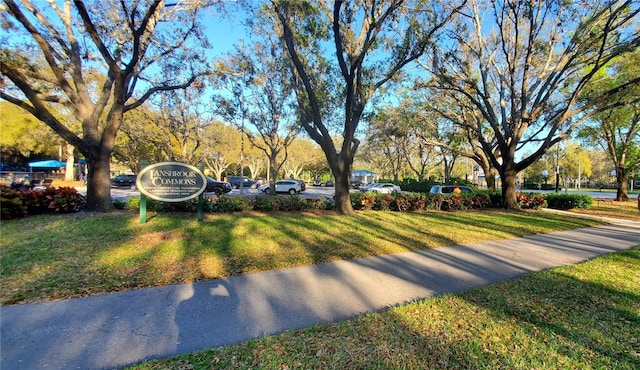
(120, 329)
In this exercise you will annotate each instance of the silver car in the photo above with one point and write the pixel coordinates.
(285, 186)
(449, 189)
(384, 188)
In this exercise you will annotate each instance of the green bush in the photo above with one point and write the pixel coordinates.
(568, 201)
(494, 197)
(11, 205)
(452, 203)
(265, 203)
(362, 201)
(232, 204)
(415, 186)
(382, 202)
(401, 202)
(121, 204)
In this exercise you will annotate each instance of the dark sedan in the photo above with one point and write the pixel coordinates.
(246, 182)
(217, 187)
(124, 181)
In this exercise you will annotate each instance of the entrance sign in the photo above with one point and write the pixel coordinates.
(171, 181)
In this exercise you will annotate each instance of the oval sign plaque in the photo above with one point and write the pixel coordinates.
(171, 181)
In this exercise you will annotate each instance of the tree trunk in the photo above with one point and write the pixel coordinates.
(621, 178)
(69, 173)
(99, 183)
(489, 176)
(510, 201)
(342, 173)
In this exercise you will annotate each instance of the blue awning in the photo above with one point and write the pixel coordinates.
(51, 163)
(363, 173)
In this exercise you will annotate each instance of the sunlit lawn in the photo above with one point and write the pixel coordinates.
(47, 257)
(578, 317)
(609, 208)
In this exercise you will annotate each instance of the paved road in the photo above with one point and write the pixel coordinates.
(120, 329)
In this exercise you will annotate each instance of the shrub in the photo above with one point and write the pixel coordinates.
(133, 204)
(320, 203)
(232, 204)
(434, 201)
(418, 202)
(412, 185)
(293, 203)
(37, 202)
(265, 203)
(568, 201)
(401, 203)
(65, 199)
(452, 203)
(19, 203)
(495, 197)
(530, 200)
(363, 201)
(382, 202)
(190, 206)
(120, 204)
(482, 200)
(11, 205)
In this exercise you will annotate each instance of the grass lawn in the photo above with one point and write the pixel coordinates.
(609, 208)
(47, 257)
(577, 317)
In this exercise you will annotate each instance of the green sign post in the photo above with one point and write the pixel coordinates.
(143, 198)
(201, 198)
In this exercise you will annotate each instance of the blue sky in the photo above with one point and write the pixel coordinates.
(224, 31)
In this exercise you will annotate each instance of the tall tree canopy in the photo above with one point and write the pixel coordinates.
(258, 92)
(349, 51)
(617, 130)
(140, 48)
(517, 71)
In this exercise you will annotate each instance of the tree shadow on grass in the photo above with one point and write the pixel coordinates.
(550, 319)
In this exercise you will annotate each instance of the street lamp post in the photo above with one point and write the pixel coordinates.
(545, 174)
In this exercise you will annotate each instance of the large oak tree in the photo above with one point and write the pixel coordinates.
(256, 91)
(348, 52)
(140, 48)
(517, 71)
(617, 130)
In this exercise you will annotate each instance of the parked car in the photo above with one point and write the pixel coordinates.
(355, 184)
(284, 186)
(218, 187)
(303, 185)
(328, 183)
(122, 181)
(367, 187)
(449, 189)
(385, 188)
(247, 183)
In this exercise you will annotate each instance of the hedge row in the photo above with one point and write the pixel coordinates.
(359, 201)
(568, 201)
(19, 203)
(224, 203)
